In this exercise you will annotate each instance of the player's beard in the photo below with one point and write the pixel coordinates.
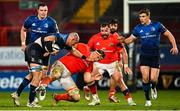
(113, 31)
(105, 36)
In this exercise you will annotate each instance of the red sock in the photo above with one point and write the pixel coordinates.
(86, 88)
(128, 95)
(112, 92)
(93, 89)
(64, 96)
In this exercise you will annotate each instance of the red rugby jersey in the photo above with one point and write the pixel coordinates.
(75, 64)
(108, 45)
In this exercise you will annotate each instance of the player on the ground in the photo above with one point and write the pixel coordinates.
(149, 33)
(38, 26)
(109, 44)
(37, 57)
(68, 65)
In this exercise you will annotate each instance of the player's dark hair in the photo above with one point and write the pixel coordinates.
(146, 11)
(113, 21)
(101, 52)
(104, 24)
(41, 5)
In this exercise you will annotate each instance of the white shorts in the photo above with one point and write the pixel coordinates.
(67, 82)
(65, 78)
(111, 68)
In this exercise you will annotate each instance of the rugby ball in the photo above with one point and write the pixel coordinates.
(55, 47)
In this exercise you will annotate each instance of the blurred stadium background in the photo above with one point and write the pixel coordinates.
(84, 17)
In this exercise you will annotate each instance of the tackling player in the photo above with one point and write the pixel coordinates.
(37, 56)
(68, 65)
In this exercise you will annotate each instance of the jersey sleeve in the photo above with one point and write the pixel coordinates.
(89, 69)
(83, 48)
(54, 27)
(91, 43)
(162, 28)
(135, 32)
(27, 22)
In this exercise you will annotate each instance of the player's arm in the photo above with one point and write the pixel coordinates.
(130, 39)
(172, 40)
(125, 61)
(48, 41)
(77, 53)
(23, 37)
(91, 42)
(92, 74)
(55, 28)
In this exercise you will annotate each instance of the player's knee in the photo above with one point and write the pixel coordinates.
(153, 79)
(90, 83)
(56, 70)
(145, 79)
(76, 97)
(74, 93)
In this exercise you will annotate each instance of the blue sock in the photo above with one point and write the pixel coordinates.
(146, 88)
(21, 87)
(32, 93)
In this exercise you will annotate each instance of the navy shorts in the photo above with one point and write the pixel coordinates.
(34, 54)
(152, 61)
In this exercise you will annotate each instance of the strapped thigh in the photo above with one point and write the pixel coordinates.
(56, 69)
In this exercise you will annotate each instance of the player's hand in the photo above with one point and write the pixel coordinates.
(120, 64)
(98, 77)
(174, 50)
(121, 39)
(128, 70)
(46, 54)
(23, 47)
(55, 52)
(94, 58)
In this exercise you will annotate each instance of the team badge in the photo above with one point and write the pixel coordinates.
(111, 44)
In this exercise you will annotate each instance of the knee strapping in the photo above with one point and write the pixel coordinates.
(91, 83)
(74, 93)
(56, 70)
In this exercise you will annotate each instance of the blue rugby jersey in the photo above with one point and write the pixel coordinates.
(149, 36)
(40, 28)
(61, 39)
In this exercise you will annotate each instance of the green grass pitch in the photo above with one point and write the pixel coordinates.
(167, 100)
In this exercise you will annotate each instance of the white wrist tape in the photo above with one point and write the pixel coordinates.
(23, 43)
(125, 65)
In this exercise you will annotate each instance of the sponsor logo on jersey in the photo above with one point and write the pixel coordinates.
(38, 28)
